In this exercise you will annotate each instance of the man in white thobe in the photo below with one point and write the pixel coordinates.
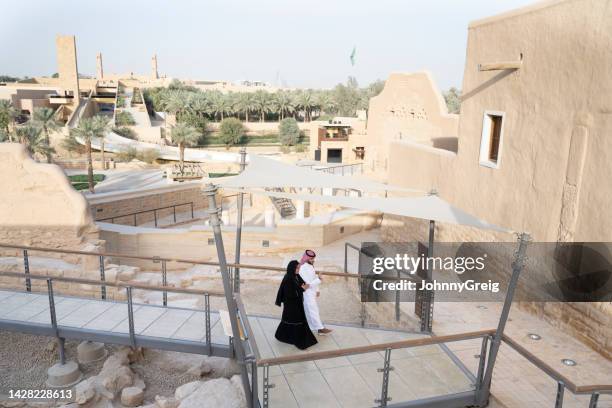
(312, 279)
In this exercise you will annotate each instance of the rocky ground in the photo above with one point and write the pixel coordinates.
(125, 378)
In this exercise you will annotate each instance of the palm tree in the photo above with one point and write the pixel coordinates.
(103, 126)
(184, 135)
(8, 113)
(218, 104)
(43, 118)
(244, 103)
(284, 103)
(32, 138)
(263, 103)
(175, 102)
(325, 102)
(305, 101)
(86, 131)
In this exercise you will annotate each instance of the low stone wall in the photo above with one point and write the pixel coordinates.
(197, 243)
(119, 206)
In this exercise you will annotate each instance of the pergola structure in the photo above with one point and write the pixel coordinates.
(263, 175)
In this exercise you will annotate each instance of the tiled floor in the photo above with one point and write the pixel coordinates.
(354, 381)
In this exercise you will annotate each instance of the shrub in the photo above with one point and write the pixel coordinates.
(300, 148)
(125, 132)
(288, 132)
(124, 118)
(285, 149)
(127, 154)
(148, 156)
(231, 131)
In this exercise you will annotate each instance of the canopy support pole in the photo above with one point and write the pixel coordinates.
(211, 191)
(482, 394)
(240, 206)
(427, 314)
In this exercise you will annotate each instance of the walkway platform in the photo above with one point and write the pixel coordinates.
(352, 381)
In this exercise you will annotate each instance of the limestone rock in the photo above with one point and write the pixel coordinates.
(85, 391)
(132, 396)
(165, 402)
(185, 390)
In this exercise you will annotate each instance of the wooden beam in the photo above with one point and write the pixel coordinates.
(500, 66)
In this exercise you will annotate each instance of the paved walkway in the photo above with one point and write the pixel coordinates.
(339, 382)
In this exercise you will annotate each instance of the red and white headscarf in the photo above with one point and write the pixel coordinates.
(309, 254)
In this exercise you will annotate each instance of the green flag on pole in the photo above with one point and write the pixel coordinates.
(352, 57)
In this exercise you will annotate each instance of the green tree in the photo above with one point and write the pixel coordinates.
(8, 114)
(231, 131)
(33, 139)
(326, 103)
(43, 118)
(87, 130)
(183, 135)
(103, 125)
(124, 118)
(452, 97)
(288, 132)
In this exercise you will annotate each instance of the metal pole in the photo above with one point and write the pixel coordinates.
(560, 392)
(164, 283)
(135, 220)
(594, 399)
(207, 322)
(102, 278)
(427, 310)
(174, 212)
(266, 385)
(239, 211)
(211, 190)
(155, 217)
(481, 362)
(517, 266)
(130, 316)
(60, 340)
(254, 386)
(26, 268)
(192, 210)
(384, 393)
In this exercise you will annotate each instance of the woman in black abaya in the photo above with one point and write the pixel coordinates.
(293, 328)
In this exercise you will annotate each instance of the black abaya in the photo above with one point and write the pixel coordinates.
(293, 328)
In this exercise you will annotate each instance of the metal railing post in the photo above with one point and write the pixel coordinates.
(254, 385)
(26, 269)
(164, 283)
(102, 278)
(60, 340)
(130, 316)
(384, 393)
(155, 216)
(482, 395)
(211, 191)
(191, 210)
(481, 362)
(266, 385)
(239, 211)
(560, 392)
(594, 399)
(207, 322)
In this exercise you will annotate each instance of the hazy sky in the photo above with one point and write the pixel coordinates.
(305, 43)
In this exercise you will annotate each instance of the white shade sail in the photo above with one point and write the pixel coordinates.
(268, 173)
(427, 208)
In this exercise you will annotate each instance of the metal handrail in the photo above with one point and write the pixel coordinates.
(249, 334)
(425, 341)
(114, 284)
(163, 259)
(154, 211)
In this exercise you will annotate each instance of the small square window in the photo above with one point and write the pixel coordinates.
(491, 139)
(265, 243)
(211, 241)
(342, 230)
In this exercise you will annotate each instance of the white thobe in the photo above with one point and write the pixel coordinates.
(307, 272)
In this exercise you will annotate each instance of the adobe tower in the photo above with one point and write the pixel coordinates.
(154, 74)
